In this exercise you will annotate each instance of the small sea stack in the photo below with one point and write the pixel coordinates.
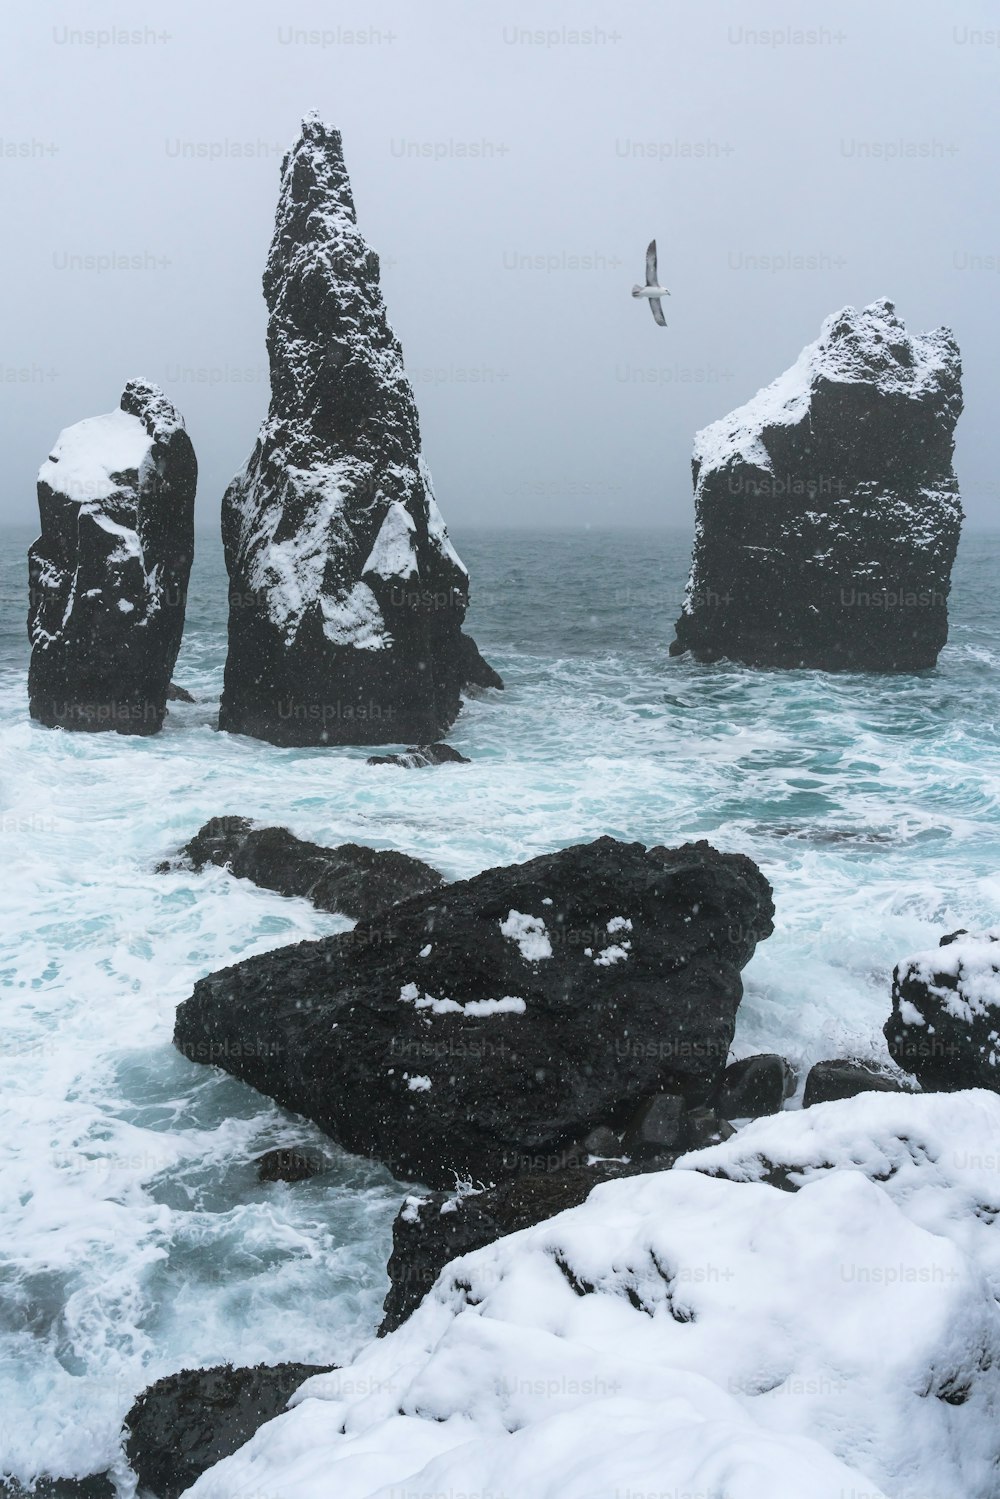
(108, 575)
(827, 511)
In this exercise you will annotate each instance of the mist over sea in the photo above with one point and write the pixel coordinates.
(137, 1238)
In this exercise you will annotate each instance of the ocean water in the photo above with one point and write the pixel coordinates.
(134, 1237)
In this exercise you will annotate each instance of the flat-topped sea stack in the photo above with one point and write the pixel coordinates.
(827, 512)
(346, 595)
(108, 575)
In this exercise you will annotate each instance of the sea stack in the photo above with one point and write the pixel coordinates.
(108, 575)
(827, 512)
(346, 595)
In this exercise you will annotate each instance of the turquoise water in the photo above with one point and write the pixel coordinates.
(135, 1237)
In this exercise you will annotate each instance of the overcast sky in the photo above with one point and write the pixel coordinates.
(509, 165)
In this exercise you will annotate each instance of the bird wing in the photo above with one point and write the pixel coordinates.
(656, 307)
(651, 264)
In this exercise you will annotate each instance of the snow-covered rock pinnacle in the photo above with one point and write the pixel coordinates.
(346, 595)
(108, 575)
(827, 512)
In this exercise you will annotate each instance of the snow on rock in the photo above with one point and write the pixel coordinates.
(827, 508)
(530, 935)
(346, 595)
(108, 575)
(945, 1021)
(476, 1008)
(684, 1333)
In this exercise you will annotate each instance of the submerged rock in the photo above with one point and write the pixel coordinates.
(177, 694)
(346, 595)
(945, 1020)
(427, 754)
(284, 1165)
(827, 511)
(351, 879)
(477, 1031)
(108, 575)
(183, 1424)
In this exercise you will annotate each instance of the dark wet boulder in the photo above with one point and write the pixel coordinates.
(754, 1086)
(426, 754)
(351, 879)
(498, 1020)
(945, 1023)
(186, 1422)
(284, 1165)
(843, 1077)
(347, 598)
(827, 512)
(176, 694)
(108, 575)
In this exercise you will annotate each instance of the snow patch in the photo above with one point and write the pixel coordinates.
(530, 935)
(473, 1008)
(86, 455)
(394, 553)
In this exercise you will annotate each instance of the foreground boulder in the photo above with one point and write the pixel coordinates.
(827, 512)
(185, 1423)
(108, 575)
(350, 878)
(473, 1030)
(346, 596)
(945, 1021)
(678, 1334)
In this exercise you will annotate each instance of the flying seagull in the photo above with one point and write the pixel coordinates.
(651, 289)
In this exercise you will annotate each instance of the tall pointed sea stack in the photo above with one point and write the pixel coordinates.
(346, 595)
(108, 575)
(827, 508)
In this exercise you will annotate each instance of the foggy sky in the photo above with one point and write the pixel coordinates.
(509, 165)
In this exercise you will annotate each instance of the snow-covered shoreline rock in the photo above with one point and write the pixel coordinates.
(108, 575)
(945, 1021)
(346, 595)
(478, 1030)
(688, 1332)
(827, 512)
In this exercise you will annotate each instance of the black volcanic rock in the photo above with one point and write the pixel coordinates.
(346, 596)
(351, 879)
(496, 1021)
(945, 1019)
(186, 1422)
(755, 1086)
(95, 1486)
(827, 512)
(108, 575)
(421, 756)
(842, 1077)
